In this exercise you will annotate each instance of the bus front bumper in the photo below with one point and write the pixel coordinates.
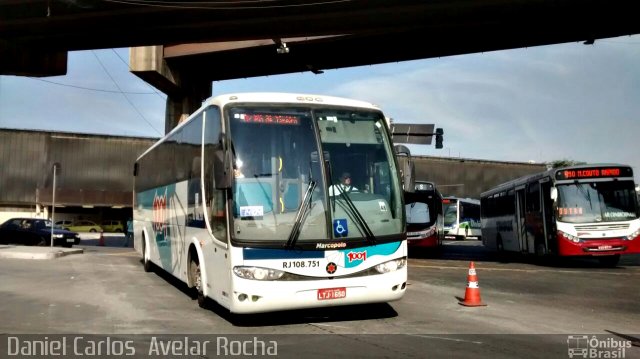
(253, 296)
(422, 241)
(598, 247)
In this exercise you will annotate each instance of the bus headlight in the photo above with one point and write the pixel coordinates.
(633, 235)
(569, 237)
(257, 273)
(391, 266)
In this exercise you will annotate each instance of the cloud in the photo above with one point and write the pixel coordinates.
(563, 101)
(544, 103)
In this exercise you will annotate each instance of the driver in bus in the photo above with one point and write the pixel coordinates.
(344, 185)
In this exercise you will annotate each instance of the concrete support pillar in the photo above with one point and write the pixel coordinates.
(179, 107)
(185, 92)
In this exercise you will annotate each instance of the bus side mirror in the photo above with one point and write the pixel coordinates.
(222, 170)
(554, 194)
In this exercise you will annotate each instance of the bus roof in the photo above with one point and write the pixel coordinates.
(551, 173)
(286, 98)
(268, 98)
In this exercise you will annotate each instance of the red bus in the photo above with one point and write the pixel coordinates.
(584, 210)
(425, 223)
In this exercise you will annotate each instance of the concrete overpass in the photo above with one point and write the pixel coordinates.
(203, 41)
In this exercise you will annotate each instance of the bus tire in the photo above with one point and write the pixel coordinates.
(146, 263)
(196, 279)
(609, 261)
(541, 249)
(501, 254)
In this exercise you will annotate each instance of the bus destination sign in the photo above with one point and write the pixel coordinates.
(421, 186)
(268, 118)
(595, 172)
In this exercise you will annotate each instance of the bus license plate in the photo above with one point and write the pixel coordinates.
(331, 293)
(604, 247)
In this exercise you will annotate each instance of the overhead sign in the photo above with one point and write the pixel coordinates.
(417, 134)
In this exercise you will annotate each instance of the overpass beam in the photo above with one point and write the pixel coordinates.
(185, 92)
(27, 61)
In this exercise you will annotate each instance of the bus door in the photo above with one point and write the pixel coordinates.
(521, 234)
(534, 227)
(548, 217)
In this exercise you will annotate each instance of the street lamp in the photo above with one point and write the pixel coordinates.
(53, 200)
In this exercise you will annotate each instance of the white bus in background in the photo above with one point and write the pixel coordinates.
(235, 203)
(461, 218)
(585, 210)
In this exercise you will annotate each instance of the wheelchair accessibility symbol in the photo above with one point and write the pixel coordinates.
(340, 228)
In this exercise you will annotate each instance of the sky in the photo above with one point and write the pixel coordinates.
(566, 101)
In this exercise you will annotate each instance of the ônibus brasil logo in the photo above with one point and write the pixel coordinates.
(160, 213)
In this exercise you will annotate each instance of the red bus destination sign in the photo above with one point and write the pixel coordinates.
(596, 172)
(270, 119)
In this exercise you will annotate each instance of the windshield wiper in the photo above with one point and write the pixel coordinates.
(301, 215)
(357, 216)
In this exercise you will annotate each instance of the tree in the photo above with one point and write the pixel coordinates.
(564, 163)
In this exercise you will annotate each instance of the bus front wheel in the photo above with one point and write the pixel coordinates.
(196, 279)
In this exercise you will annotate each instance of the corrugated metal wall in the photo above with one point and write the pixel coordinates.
(98, 170)
(95, 170)
(462, 177)
(22, 160)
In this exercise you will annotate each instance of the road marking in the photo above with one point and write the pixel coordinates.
(634, 270)
(444, 338)
(329, 325)
(124, 254)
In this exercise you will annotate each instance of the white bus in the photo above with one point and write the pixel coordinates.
(585, 210)
(235, 202)
(461, 218)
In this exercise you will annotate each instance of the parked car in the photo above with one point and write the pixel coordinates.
(79, 226)
(113, 226)
(35, 231)
(63, 224)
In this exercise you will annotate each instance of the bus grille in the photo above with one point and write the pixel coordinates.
(603, 227)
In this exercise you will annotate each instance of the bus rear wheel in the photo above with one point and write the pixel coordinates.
(541, 249)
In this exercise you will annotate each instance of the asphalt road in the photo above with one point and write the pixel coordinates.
(532, 309)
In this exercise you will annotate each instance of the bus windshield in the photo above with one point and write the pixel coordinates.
(450, 213)
(597, 202)
(278, 156)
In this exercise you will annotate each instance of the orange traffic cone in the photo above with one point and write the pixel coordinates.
(101, 240)
(472, 293)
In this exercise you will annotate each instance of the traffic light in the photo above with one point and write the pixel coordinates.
(439, 134)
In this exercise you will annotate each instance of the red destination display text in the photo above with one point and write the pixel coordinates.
(270, 119)
(590, 173)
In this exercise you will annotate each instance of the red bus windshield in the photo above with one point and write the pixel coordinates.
(597, 202)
